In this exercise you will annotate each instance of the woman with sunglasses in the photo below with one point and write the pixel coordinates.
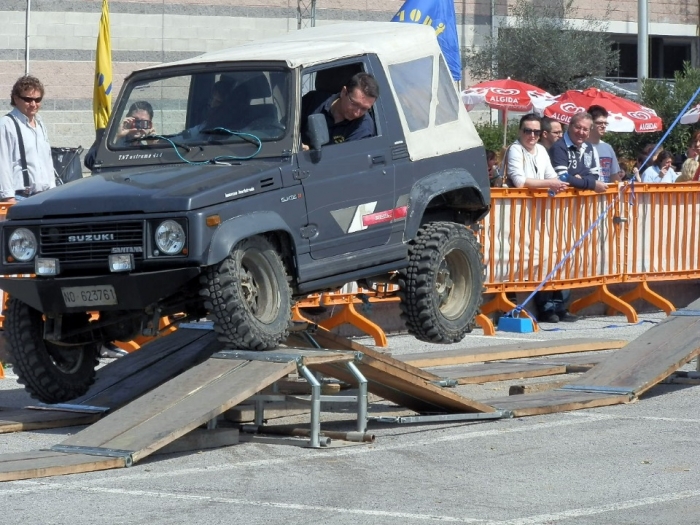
(527, 161)
(15, 182)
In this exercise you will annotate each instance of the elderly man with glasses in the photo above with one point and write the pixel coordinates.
(26, 166)
(609, 168)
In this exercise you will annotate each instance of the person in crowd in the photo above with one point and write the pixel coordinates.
(648, 149)
(137, 125)
(528, 166)
(609, 168)
(575, 159)
(527, 162)
(26, 167)
(347, 112)
(661, 170)
(692, 152)
(688, 170)
(495, 178)
(551, 132)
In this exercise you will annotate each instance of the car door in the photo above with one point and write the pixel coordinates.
(349, 193)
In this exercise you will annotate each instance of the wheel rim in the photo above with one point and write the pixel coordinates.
(259, 287)
(67, 361)
(453, 284)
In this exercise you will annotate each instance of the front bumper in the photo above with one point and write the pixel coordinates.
(134, 291)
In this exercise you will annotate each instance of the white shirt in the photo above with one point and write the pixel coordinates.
(38, 155)
(653, 174)
(525, 165)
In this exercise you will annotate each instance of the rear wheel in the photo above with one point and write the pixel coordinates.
(442, 285)
(49, 372)
(248, 294)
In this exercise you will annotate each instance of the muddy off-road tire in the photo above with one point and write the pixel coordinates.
(441, 288)
(49, 372)
(248, 296)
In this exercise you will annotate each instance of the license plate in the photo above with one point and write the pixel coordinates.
(89, 295)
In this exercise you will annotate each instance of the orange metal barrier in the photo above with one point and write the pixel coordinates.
(649, 234)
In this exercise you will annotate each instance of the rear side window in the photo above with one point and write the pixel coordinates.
(448, 103)
(412, 82)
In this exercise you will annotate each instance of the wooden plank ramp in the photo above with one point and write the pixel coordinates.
(157, 418)
(516, 369)
(120, 381)
(463, 356)
(625, 374)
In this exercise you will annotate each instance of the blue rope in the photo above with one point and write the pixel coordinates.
(220, 157)
(519, 308)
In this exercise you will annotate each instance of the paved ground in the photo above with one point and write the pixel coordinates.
(629, 464)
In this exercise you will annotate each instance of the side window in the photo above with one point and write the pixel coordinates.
(413, 84)
(318, 85)
(448, 103)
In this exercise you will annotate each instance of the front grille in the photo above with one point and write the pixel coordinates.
(91, 242)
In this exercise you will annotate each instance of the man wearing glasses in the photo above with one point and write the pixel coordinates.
(24, 173)
(551, 132)
(609, 168)
(347, 112)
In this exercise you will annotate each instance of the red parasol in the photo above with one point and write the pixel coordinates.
(623, 114)
(507, 95)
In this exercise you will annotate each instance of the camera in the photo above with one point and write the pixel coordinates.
(138, 124)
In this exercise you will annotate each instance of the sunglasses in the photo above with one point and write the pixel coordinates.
(529, 131)
(30, 99)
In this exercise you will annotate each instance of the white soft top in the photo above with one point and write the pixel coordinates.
(393, 42)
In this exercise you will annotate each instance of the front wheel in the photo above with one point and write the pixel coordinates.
(248, 294)
(441, 287)
(49, 372)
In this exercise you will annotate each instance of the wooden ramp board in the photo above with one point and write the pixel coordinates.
(392, 380)
(42, 463)
(552, 401)
(508, 370)
(650, 358)
(329, 340)
(463, 356)
(121, 381)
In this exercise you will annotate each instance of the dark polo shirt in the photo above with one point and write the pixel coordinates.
(343, 131)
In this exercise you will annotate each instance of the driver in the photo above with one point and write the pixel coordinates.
(347, 112)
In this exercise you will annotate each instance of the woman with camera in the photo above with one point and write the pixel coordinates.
(137, 125)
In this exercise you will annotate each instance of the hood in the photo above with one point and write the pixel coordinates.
(153, 190)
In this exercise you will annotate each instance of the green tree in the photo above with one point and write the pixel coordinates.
(539, 44)
(667, 98)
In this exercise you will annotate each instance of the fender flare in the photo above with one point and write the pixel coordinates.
(429, 187)
(234, 230)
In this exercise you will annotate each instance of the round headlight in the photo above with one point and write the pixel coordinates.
(22, 244)
(170, 237)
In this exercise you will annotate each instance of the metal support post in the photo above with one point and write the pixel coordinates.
(259, 412)
(361, 397)
(315, 406)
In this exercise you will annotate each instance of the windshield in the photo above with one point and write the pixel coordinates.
(213, 108)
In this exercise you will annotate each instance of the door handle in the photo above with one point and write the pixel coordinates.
(376, 159)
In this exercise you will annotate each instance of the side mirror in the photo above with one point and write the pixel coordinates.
(317, 130)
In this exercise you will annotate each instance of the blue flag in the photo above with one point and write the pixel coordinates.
(440, 15)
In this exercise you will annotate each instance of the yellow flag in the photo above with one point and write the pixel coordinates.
(102, 95)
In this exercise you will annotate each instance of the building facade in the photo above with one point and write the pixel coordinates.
(58, 43)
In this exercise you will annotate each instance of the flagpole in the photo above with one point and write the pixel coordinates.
(26, 38)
